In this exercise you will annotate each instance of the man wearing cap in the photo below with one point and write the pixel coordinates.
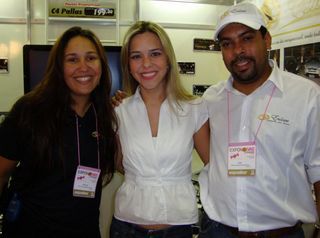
(265, 139)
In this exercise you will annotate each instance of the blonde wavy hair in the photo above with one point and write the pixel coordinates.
(175, 91)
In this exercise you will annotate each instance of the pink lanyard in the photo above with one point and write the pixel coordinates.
(78, 140)
(265, 111)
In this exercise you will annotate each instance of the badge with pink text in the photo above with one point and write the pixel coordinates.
(242, 159)
(85, 182)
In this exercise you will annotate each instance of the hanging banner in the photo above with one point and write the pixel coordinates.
(82, 9)
(292, 20)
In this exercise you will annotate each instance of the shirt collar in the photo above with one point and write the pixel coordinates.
(274, 78)
(137, 95)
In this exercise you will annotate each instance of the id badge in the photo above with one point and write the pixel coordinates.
(242, 159)
(85, 182)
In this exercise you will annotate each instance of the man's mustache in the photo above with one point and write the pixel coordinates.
(241, 58)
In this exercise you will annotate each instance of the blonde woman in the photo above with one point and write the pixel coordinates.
(159, 126)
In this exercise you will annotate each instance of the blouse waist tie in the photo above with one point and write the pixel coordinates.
(156, 181)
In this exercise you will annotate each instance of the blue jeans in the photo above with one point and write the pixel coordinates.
(121, 229)
(212, 229)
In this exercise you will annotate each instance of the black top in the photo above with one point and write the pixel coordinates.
(48, 206)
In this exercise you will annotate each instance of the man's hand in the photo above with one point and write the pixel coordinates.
(116, 100)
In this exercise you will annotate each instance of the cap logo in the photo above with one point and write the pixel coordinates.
(224, 15)
(232, 11)
(237, 10)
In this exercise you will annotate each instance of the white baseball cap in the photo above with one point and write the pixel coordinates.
(245, 13)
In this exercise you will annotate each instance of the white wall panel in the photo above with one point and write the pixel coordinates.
(13, 37)
(37, 9)
(127, 10)
(180, 12)
(13, 9)
(208, 63)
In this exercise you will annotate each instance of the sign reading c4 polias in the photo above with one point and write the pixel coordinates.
(81, 9)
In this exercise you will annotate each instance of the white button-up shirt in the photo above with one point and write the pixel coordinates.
(157, 188)
(288, 153)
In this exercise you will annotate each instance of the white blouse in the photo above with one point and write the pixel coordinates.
(157, 188)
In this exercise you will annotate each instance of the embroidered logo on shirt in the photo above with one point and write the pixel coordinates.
(94, 134)
(274, 118)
